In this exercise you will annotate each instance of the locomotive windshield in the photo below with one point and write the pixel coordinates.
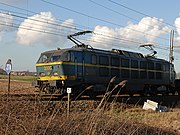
(44, 58)
(52, 57)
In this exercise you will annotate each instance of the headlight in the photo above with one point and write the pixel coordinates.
(41, 74)
(55, 73)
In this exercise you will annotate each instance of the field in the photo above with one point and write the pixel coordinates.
(86, 117)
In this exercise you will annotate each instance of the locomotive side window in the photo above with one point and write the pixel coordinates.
(115, 61)
(93, 59)
(158, 66)
(167, 67)
(134, 64)
(103, 60)
(150, 73)
(143, 65)
(66, 56)
(143, 74)
(72, 56)
(150, 65)
(134, 73)
(125, 72)
(124, 62)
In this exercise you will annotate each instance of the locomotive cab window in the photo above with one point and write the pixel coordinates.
(44, 58)
(55, 58)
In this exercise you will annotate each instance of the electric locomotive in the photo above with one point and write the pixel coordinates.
(82, 66)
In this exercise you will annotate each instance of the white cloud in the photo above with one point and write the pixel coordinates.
(147, 30)
(6, 22)
(177, 24)
(35, 29)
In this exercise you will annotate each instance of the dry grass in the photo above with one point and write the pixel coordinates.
(25, 117)
(86, 117)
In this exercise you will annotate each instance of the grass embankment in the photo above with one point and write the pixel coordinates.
(86, 117)
(19, 78)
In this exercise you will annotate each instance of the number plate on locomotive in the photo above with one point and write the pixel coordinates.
(47, 67)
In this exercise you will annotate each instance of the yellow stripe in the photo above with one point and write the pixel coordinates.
(92, 65)
(61, 78)
(44, 78)
(48, 64)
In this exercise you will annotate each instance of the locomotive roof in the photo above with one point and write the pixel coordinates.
(112, 52)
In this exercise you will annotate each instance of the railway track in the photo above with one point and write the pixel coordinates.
(169, 100)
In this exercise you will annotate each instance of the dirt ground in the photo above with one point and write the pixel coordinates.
(16, 87)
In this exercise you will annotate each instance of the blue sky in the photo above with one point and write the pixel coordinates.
(29, 27)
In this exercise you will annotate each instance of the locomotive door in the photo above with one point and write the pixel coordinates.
(79, 63)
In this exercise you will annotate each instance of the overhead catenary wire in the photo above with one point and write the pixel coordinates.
(51, 32)
(124, 15)
(74, 28)
(32, 13)
(63, 8)
(81, 13)
(66, 9)
(105, 20)
(136, 11)
(26, 10)
(99, 19)
(60, 34)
